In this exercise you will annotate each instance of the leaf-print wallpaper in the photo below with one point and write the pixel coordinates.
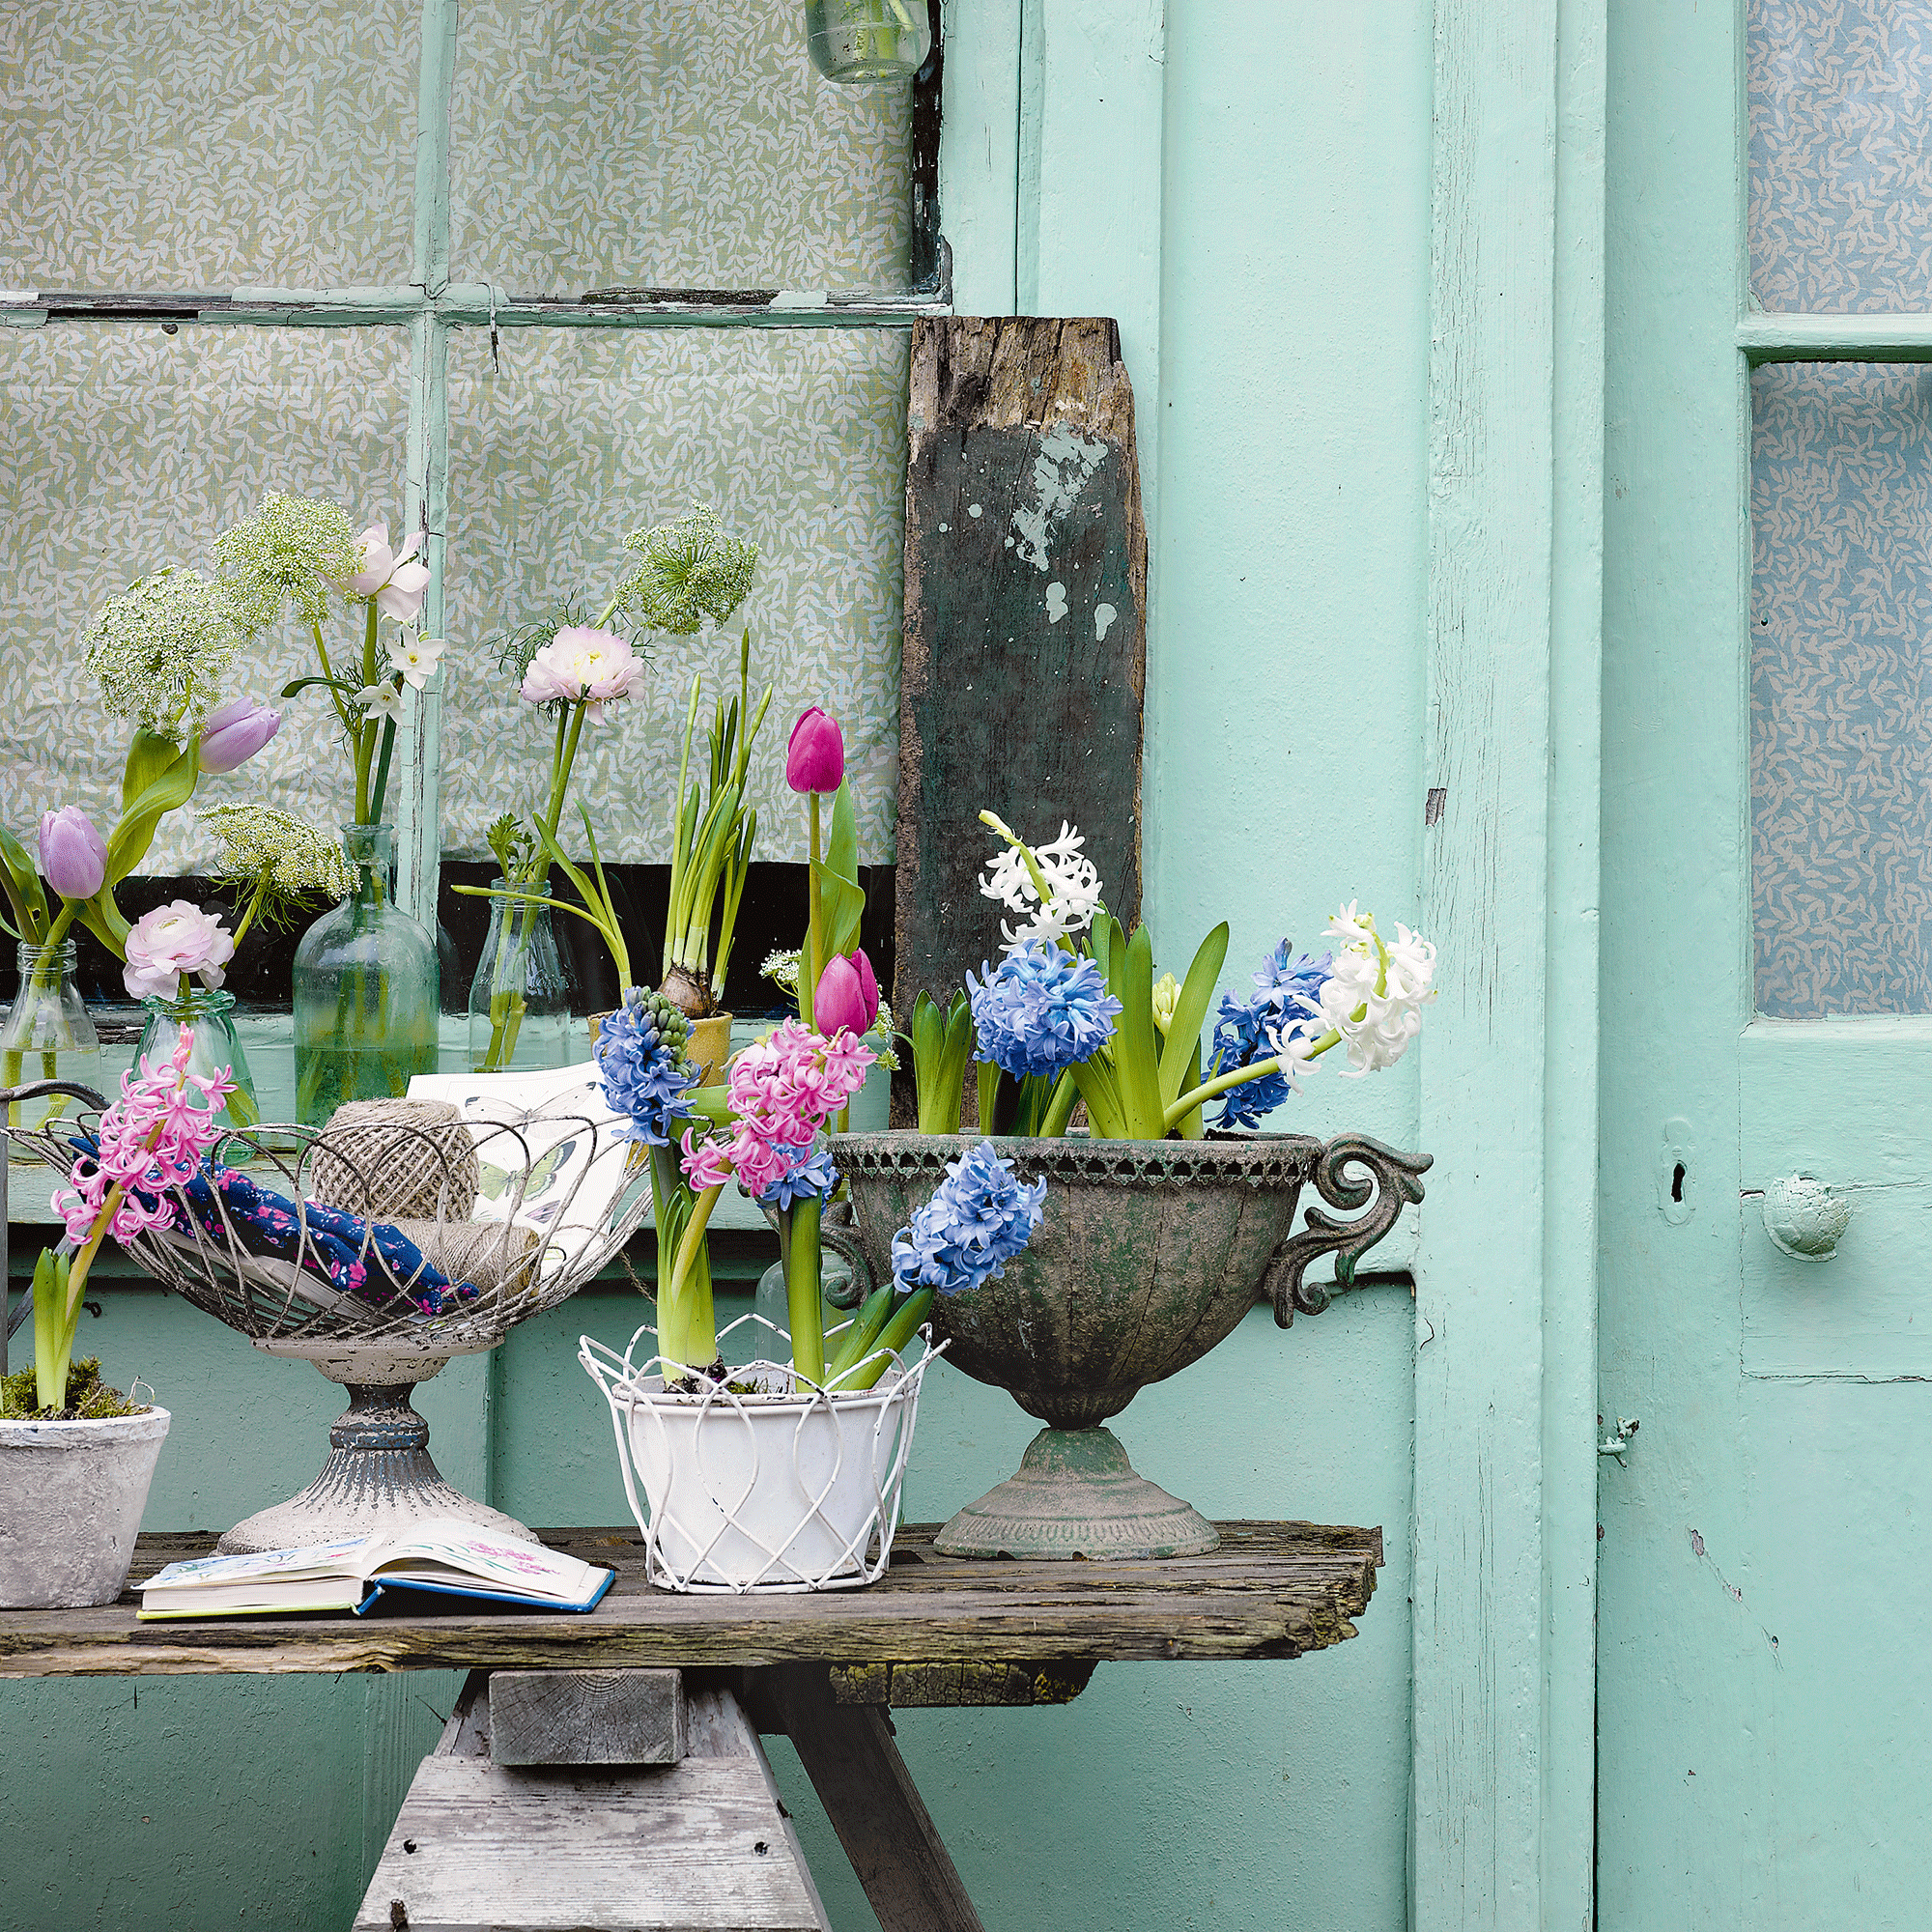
(796, 437)
(202, 144)
(122, 448)
(1841, 687)
(1840, 154)
(667, 143)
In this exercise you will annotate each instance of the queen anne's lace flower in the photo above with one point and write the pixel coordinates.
(159, 649)
(979, 1217)
(691, 570)
(295, 547)
(151, 1140)
(1042, 1011)
(646, 1075)
(297, 860)
(1073, 889)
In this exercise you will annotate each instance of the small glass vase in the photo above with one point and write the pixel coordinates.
(868, 42)
(366, 992)
(215, 1046)
(520, 999)
(47, 1034)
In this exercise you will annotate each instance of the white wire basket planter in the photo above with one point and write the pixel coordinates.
(284, 1236)
(763, 1483)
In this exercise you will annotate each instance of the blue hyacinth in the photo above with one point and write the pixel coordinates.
(1042, 1011)
(979, 1217)
(1283, 992)
(810, 1178)
(640, 1052)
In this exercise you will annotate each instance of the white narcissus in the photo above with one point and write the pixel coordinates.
(1072, 887)
(394, 579)
(381, 700)
(416, 660)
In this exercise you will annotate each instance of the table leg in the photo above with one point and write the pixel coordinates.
(848, 1753)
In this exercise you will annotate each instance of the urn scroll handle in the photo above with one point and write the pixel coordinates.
(1389, 1178)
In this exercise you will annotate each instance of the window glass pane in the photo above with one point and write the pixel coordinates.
(202, 144)
(1842, 154)
(122, 448)
(797, 438)
(658, 143)
(1841, 687)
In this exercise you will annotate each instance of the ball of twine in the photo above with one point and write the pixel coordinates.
(387, 1159)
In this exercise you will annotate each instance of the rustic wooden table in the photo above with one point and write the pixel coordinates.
(822, 1669)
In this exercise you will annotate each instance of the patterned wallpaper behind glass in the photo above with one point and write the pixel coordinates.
(122, 449)
(663, 143)
(1840, 154)
(796, 437)
(202, 144)
(1841, 687)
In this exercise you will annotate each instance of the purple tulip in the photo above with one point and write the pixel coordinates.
(815, 755)
(236, 732)
(841, 998)
(73, 855)
(869, 982)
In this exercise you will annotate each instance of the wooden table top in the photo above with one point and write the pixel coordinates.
(1272, 1590)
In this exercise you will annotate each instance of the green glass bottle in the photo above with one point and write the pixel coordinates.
(365, 991)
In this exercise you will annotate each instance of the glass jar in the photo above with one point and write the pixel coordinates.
(47, 1034)
(365, 991)
(520, 999)
(215, 1046)
(861, 42)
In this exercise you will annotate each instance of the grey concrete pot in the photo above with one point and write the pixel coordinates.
(1149, 1253)
(71, 1500)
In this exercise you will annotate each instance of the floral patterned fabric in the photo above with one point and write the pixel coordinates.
(575, 438)
(1841, 687)
(1840, 154)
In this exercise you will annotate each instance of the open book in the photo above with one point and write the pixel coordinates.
(441, 1553)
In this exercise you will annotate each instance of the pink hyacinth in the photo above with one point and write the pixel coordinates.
(783, 1091)
(151, 1139)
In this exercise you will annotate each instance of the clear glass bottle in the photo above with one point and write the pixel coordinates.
(866, 42)
(215, 1046)
(47, 1034)
(365, 991)
(520, 999)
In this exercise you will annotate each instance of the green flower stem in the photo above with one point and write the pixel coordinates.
(1221, 1082)
(808, 962)
(676, 1319)
(803, 1300)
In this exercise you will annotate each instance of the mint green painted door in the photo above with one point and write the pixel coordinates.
(1767, 1539)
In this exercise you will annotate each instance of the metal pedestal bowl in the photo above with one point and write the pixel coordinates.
(1147, 1254)
(566, 1191)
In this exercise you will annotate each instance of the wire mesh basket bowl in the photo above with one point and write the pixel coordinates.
(284, 1236)
(766, 1482)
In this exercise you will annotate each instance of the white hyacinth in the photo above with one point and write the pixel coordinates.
(1073, 883)
(1376, 992)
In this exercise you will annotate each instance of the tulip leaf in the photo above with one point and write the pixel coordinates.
(23, 881)
(107, 923)
(127, 843)
(149, 756)
(841, 901)
(1190, 1011)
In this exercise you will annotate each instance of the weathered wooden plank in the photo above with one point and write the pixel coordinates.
(1020, 688)
(1273, 1590)
(974, 1683)
(586, 1717)
(899, 1858)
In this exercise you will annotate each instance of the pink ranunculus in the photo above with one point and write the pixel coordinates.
(582, 663)
(234, 732)
(815, 752)
(172, 940)
(392, 576)
(73, 855)
(846, 999)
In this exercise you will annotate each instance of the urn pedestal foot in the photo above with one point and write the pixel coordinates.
(378, 1477)
(1077, 1496)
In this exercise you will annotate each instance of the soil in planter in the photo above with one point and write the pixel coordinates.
(88, 1399)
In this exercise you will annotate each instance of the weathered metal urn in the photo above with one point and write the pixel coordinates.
(1147, 1254)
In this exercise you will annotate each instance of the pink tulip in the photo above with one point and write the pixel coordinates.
(815, 755)
(234, 732)
(847, 996)
(73, 855)
(397, 582)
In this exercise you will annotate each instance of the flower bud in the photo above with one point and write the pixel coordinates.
(234, 732)
(73, 855)
(840, 999)
(868, 984)
(815, 755)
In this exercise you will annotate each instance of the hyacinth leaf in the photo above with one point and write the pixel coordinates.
(841, 901)
(1192, 1126)
(862, 1331)
(929, 1058)
(892, 1339)
(127, 843)
(1136, 1043)
(23, 878)
(988, 1095)
(1190, 1013)
(1060, 1108)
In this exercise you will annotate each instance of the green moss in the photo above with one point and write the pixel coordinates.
(88, 1399)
